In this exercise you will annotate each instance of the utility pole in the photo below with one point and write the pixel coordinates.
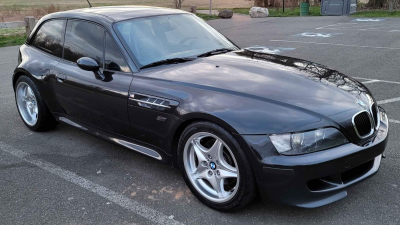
(210, 6)
(283, 5)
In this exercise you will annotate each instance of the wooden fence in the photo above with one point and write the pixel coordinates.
(29, 23)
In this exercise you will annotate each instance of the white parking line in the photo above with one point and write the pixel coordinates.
(121, 200)
(394, 121)
(384, 81)
(361, 26)
(319, 43)
(358, 27)
(312, 34)
(388, 101)
(323, 27)
(366, 29)
(370, 81)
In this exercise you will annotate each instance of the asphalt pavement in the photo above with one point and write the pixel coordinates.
(66, 176)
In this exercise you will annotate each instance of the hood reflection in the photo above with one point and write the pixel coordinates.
(270, 78)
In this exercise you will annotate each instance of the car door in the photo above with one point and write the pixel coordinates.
(98, 98)
(150, 108)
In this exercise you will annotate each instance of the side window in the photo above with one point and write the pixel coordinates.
(83, 39)
(113, 58)
(49, 37)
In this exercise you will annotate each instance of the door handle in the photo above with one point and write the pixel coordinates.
(61, 77)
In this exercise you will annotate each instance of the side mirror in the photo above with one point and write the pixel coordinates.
(88, 64)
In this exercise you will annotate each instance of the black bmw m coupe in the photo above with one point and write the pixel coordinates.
(236, 122)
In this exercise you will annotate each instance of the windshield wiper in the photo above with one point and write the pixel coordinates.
(215, 51)
(169, 61)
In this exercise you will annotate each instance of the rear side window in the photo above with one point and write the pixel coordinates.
(49, 37)
(113, 58)
(84, 39)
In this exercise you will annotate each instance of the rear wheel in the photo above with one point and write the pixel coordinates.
(31, 107)
(215, 167)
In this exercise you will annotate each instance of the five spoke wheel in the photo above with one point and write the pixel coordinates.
(27, 103)
(211, 167)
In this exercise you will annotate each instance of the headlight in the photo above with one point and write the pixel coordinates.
(383, 116)
(306, 142)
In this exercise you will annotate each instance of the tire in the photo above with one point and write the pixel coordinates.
(205, 177)
(31, 106)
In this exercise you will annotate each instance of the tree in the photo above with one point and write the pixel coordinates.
(393, 5)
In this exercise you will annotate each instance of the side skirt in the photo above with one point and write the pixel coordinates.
(126, 142)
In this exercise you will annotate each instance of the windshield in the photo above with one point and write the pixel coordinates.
(152, 39)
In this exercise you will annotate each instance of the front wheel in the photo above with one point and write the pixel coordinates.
(215, 167)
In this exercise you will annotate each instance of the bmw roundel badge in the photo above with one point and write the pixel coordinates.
(361, 103)
(212, 165)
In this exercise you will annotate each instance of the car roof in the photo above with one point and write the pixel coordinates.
(116, 13)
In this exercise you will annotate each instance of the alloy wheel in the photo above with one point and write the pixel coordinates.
(27, 103)
(211, 167)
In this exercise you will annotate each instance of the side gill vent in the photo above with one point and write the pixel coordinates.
(153, 103)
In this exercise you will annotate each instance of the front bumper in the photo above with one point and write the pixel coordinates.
(319, 178)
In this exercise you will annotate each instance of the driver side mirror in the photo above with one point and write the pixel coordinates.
(88, 64)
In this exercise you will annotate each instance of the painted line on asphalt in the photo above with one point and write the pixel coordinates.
(359, 27)
(319, 43)
(319, 35)
(121, 200)
(366, 29)
(368, 20)
(388, 101)
(384, 81)
(323, 27)
(394, 121)
(370, 81)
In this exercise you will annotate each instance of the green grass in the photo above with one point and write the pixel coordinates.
(11, 40)
(12, 31)
(314, 11)
(376, 13)
(12, 36)
(207, 17)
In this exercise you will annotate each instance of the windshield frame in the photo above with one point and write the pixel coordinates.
(132, 55)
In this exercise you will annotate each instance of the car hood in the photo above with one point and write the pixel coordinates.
(282, 80)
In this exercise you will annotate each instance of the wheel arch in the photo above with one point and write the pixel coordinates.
(18, 73)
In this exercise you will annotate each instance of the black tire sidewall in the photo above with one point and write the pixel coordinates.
(243, 194)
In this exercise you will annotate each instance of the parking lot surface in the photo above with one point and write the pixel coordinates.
(66, 176)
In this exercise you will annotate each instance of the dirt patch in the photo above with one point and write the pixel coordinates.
(176, 192)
